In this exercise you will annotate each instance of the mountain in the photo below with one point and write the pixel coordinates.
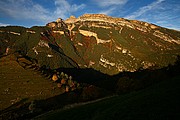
(79, 61)
(107, 44)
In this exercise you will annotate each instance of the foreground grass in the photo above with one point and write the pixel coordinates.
(160, 101)
(18, 85)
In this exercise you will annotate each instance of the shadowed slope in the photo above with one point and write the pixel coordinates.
(160, 101)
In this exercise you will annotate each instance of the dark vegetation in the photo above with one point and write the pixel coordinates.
(159, 101)
(94, 85)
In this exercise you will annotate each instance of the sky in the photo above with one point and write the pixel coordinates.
(28, 13)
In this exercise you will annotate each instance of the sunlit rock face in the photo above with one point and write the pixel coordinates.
(112, 45)
(107, 44)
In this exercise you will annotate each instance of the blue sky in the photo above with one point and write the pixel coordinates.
(28, 13)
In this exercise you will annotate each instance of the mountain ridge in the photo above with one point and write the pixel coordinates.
(86, 27)
(107, 44)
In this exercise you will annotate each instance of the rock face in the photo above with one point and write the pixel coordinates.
(101, 42)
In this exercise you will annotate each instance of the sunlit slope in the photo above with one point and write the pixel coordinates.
(18, 84)
(112, 45)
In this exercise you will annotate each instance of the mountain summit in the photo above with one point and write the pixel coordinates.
(107, 44)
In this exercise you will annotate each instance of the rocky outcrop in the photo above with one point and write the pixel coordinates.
(72, 19)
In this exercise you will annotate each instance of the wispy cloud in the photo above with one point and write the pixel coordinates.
(109, 7)
(29, 10)
(24, 9)
(2, 24)
(168, 25)
(161, 12)
(144, 9)
(108, 11)
(64, 9)
(106, 3)
(168, 21)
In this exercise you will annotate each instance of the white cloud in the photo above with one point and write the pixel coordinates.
(64, 9)
(24, 9)
(144, 9)
(168, 22)
(161, 12)
(108, 11)
(109, 7)
(29, 10)
(3, 24)
(106, 3)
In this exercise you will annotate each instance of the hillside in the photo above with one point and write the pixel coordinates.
(143, 88)
(112, 45)
(160, 101)
(106, 44)
(23, 86)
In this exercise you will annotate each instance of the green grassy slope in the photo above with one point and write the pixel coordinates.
(160, 101)
(17, 84)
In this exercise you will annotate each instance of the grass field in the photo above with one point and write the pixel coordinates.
(160, 101)
(18, 84)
